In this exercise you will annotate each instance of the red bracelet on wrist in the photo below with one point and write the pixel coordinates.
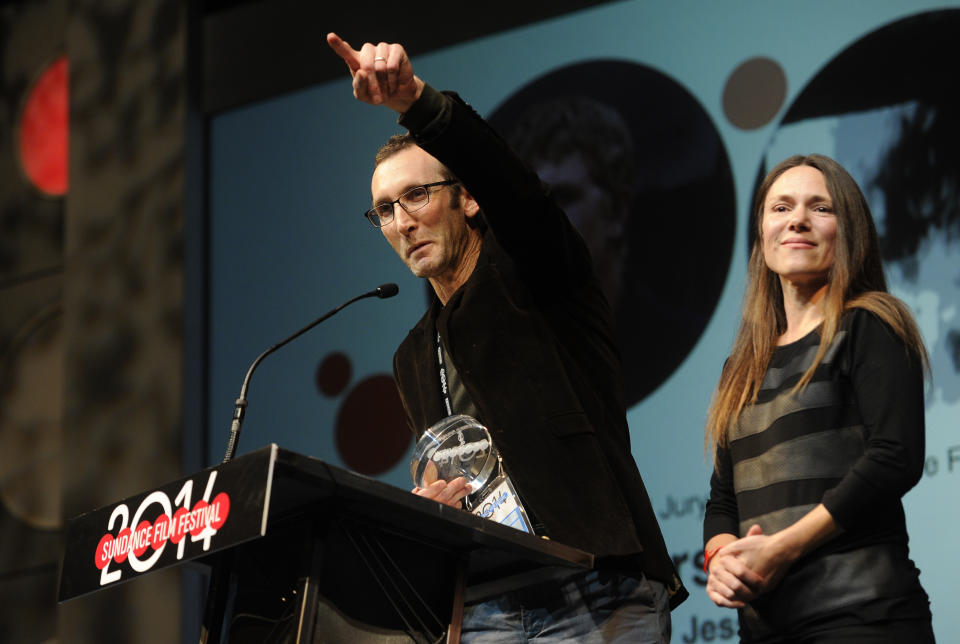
(707, 556)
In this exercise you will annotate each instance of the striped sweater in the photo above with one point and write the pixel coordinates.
(853, 439)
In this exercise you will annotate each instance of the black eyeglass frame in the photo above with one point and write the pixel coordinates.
(375, 218)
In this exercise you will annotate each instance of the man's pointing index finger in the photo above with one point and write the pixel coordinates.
(343, 49)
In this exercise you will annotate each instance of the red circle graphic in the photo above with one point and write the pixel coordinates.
(44, 130)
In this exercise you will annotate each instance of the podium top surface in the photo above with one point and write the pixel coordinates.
(232, 503)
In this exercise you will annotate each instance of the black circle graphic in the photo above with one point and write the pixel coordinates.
(638, 156)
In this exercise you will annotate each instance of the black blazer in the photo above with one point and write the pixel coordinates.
(531, 336)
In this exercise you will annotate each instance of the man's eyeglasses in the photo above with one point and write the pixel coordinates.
(412, 200)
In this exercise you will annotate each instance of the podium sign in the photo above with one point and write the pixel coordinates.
(361, 557)
(214, 509)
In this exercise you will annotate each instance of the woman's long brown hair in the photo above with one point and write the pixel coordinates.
(855, 280)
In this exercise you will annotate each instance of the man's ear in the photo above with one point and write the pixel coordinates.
(468, 204)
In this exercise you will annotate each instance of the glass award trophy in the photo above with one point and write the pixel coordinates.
(460, 446)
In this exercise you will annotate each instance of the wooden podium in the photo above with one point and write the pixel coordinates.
(301, 551)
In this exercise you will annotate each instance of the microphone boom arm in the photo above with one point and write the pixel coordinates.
(240, 407)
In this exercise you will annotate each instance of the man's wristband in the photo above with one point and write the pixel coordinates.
(707, 557)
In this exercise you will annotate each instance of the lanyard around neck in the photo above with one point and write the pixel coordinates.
(444, 382)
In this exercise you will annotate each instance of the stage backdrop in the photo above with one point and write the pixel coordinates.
(696, 100)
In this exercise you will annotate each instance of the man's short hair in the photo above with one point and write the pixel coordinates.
(398, 143)
(394, 144)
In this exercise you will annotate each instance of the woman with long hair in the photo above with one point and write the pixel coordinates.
(817, 427)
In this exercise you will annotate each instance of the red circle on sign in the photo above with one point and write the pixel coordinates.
(122, 545)
(177, 532)
(161, 532)
(142, 535)
(102, 556)
(200, 523)
(222, 503)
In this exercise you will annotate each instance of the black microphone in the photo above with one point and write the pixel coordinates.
(383, 291)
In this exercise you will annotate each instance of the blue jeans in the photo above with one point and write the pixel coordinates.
(592, 607)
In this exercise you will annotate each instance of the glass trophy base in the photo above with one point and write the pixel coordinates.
(459, 446)
(454, 446)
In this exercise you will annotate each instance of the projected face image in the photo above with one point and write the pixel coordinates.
(595, 213)
(621, 147)
(930, 285)
(917, 181)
